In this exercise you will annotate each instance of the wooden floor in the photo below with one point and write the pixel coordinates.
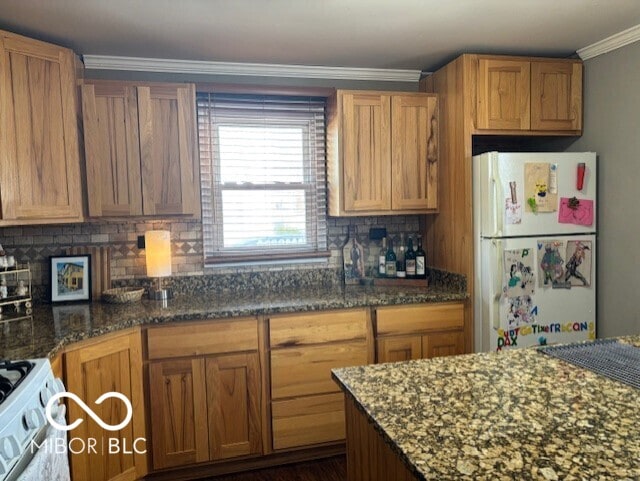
(331, 469)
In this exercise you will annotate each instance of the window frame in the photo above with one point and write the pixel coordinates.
(315, 209)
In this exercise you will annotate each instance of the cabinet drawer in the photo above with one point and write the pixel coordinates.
(194, 339)
(306, 370)
(308, 420)
(419, 318)
(315, 328)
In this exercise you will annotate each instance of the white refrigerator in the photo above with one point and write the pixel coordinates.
(535, 249)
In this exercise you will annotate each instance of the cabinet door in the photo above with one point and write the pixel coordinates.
(503, 94)
(556, 96)
(404, 348)
(168, 150)
(366, 152)
(177, 391)
(39, 157)
(233, 401)
(414, 147)
(112, 149)
(442, 344)
(110, 365)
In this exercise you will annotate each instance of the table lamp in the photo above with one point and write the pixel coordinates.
(158, 253)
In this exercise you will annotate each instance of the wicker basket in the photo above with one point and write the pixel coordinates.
(122, 295)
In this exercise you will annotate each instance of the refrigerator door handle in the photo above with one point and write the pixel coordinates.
(497, 282)
(498, 197)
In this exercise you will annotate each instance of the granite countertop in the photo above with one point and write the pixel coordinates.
(52, 327)
(502, 416)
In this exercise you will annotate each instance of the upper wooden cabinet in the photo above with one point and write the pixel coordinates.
(141, 150)
(39, 153)
(556, 95)
(112, 149)
(382, 153)
(528, 94)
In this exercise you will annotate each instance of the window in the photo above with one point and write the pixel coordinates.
(262, 161)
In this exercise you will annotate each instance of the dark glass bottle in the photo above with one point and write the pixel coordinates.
(390, 260)
(401, 269)
(421, 261)
(410, 259)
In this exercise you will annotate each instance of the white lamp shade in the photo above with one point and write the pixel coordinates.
(157, 245)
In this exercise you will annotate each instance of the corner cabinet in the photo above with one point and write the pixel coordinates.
(39, 152)
(141, 149)
(419, 331)
(382, 155)
(528, 94)
(205, 392)
(93, 368)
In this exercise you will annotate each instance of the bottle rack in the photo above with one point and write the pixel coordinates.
(12, 303)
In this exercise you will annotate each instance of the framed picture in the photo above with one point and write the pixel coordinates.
(70, 278)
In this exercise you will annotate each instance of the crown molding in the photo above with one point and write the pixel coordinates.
(140, 64)
(611, 43)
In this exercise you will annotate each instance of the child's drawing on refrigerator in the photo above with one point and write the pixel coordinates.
(520, 311)
(519, 269)
(578, 266)
(551, 272)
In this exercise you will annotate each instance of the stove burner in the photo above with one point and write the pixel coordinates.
(12, 375)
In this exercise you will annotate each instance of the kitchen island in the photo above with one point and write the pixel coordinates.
(517, 415)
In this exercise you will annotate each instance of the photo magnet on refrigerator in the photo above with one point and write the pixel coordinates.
(513, 211)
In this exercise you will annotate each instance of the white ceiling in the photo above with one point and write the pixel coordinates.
(400, 34)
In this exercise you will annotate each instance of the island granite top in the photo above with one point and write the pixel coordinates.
(515, 415)
(53, 327)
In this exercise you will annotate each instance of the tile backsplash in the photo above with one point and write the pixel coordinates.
(34, 244)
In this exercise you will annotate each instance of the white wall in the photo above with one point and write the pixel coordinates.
(612, 129)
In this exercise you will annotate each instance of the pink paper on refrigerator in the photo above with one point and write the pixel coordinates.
(580, 214)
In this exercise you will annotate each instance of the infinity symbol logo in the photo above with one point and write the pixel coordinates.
(54, 399)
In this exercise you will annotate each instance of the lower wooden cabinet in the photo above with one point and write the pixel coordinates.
(405, 348)
(178, 411)
(419, 331)
(308, 420)
(401, 348)
(233, 402)
(442, 344)
(306, 370)
(112, 363)
(204, 407)
(236, 388)
(307, 407)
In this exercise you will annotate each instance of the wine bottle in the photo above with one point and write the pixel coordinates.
(410, 259)
(390, 260)
(401, 269)
(382, 259)
(421, 261)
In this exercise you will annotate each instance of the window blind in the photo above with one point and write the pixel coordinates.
(262, 161)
